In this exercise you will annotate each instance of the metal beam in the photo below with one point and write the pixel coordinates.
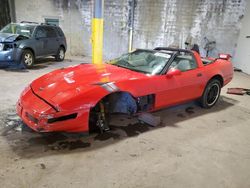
(12, 10)
(131, 24)
(97, 32)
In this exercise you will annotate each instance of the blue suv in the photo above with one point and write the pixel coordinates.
(22, 43)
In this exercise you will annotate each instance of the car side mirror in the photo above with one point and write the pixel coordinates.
(173, 72)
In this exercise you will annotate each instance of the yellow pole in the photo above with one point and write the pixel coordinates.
(131, 24)
(97, 32)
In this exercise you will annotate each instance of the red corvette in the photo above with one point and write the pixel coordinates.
(81, 98)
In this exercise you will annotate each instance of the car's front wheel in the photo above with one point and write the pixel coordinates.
(60, 54)
(27, 58)
(211, 94)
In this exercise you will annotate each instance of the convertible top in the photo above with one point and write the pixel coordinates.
(172, 49)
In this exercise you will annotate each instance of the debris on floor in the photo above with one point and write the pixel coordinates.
(149, 119)
(237, 69)
(69, 145)
(6, 129)
(42, 166)
(238, 91)
(190, 110)
(12, 122)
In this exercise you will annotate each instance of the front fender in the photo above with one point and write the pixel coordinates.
(84, 100)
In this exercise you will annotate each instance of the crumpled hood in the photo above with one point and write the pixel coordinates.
(9, 37)
(63, 84)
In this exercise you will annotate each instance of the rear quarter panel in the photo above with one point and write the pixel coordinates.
(219, 67)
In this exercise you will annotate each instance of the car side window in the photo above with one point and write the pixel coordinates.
(184, 62)
(50, 32)
(40, 32)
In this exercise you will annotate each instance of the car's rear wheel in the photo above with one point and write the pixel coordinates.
(27, 58)
(60, 54)
(211, 94)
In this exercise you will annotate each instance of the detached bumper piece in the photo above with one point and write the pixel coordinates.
(238, 91)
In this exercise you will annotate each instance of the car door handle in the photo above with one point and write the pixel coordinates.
(199, 75)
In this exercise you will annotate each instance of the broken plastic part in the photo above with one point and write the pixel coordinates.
(238, 91)
(149, 119)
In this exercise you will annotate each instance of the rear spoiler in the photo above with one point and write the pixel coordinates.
(225, 56)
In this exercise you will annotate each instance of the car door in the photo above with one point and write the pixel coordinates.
(52, 45)
(40, 41)
(186, 85)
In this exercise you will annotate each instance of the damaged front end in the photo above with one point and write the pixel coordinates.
(42, 116)
(10, 53)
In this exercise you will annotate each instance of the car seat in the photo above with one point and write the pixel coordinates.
(184, 65)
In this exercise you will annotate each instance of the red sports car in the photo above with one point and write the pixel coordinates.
(82, 98)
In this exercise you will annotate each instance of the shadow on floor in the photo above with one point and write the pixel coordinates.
(43, 63)
(40, 63)
(35, 145)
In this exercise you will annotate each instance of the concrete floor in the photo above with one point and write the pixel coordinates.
(193, 147)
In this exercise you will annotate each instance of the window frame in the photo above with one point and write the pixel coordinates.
(144, 50)
(35, 32)
(59, 32)
(176, 55)
(48, 29)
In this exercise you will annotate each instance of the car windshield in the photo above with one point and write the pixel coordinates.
(21, 29)
(149, 62)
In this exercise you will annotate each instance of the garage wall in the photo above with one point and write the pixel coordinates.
(69, 19)
(164, 23)
(4, 13)
(157, 23)
(242, 57)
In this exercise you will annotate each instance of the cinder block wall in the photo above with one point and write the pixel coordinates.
(157, 23)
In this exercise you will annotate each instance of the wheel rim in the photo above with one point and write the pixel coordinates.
(61, 53)
(28, 59)
(213, 94)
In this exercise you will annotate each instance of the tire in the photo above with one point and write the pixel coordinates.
(60, 54)
(211, 94)
(27, 58)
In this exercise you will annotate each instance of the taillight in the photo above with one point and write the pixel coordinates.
(225, 56)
